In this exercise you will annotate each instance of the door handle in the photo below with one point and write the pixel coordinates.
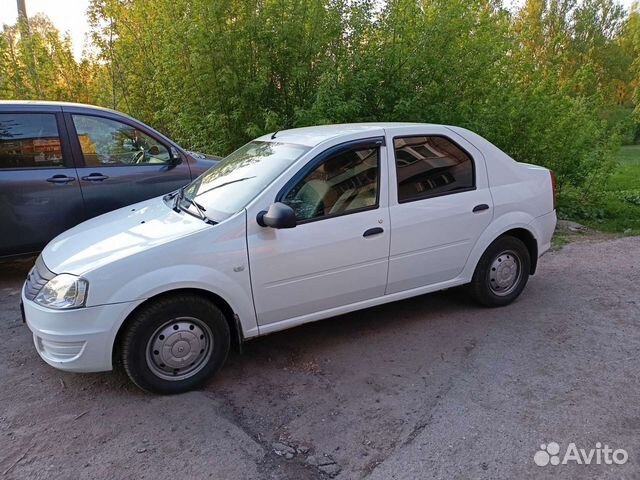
(373, 231)
(60, 179)
(95, 177)
(480, 208)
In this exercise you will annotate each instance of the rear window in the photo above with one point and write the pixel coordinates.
(431, 165)
(29, 140)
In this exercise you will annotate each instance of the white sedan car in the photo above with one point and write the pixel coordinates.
(293, 227)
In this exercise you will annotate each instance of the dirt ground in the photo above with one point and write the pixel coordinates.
(432, 387)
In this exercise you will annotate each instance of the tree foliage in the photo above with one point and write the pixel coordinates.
(552, 83)
(36, 62)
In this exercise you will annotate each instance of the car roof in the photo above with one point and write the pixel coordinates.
(40, 106)
(51, 105)
(307, 136)
(312, 136)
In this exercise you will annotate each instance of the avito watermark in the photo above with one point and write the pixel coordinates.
(549, 454)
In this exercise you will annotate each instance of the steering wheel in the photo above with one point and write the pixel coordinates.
(139, 156)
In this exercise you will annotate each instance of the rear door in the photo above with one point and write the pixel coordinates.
(440, 204)
(121, 162)
(39, 189)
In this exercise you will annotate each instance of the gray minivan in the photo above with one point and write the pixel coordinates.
(63, 163)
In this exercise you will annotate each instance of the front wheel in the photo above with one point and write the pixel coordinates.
(501, 273)
(175, 343)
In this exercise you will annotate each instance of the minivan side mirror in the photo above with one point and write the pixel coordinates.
(174, 157)
(279, 215)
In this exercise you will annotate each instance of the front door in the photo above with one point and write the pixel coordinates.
(120, 164)
(39, 189)
(338, 252)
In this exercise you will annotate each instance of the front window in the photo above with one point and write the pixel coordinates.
(345, 183)
(230, 185)
(105, 142)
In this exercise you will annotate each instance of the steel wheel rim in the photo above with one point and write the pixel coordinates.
(505, 273)
(179, 348)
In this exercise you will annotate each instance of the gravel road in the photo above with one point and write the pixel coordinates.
(432, 387)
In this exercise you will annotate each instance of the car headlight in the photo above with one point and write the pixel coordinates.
(63, 291)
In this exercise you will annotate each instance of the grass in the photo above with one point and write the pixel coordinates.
(630, 155)
(559, 240)
(627, 175)
(618, 210)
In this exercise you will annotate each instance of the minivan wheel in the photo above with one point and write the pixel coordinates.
(175, 343)
(501, 273)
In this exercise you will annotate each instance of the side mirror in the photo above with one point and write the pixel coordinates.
(174, 157)
(279, 215)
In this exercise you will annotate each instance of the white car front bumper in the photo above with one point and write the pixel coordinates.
(79, 340)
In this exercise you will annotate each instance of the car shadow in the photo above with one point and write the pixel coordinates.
(384, 321)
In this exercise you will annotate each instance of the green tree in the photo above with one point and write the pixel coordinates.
(631, 42)
(550, 83)
(37, 63)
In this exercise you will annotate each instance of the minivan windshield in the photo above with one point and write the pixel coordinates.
(230, 185)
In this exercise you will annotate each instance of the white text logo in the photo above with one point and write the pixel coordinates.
(549, 454)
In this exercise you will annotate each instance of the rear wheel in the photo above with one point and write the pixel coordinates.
(175, 343)
(501, 273)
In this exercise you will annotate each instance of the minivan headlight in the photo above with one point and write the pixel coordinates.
(63, 291)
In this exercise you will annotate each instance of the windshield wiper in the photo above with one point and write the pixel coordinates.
(180, 196)
(176, 198)
(198, 208)
(224, 185)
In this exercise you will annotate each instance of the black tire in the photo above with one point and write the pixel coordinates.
(184, 322)
(483, 287)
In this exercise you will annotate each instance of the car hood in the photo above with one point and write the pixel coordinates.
(204, 156)
(118, 234)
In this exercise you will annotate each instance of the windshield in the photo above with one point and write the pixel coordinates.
(230, 185)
